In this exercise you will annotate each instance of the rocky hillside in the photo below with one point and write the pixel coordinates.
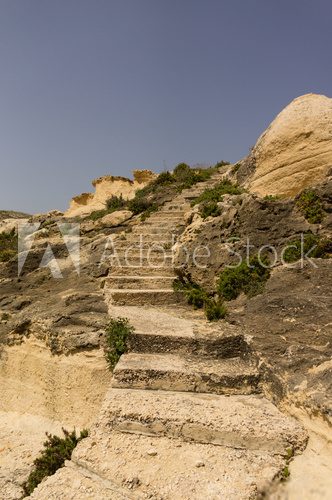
(218, 281)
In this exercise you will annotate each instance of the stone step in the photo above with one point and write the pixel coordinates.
(170, 372)
(140, 282)
(145, 243)
(170, 469)
(77, 483)
(165, 270)
(185, 341)
(167, 214)
(163, 230)
(135, 256)
(241, 422)
(130, 297)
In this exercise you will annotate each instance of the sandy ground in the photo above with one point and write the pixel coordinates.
(21, 439)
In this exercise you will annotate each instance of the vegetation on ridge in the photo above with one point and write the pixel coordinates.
(165, 186)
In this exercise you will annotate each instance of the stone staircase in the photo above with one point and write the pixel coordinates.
(142, 267)
(185, 417)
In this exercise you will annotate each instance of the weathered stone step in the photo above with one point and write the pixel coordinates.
(146, 240)
(241, 422)
(78, 483)
(163, 230)
(151, 260)
(167, 215)
(172, 469)
(170, 372)
(140, 282)
(145, 245)
(165, 270)
(141, 297)
(185, 341)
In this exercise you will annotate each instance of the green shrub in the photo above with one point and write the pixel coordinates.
(52, 457)
(214, 309)
(97, 214)
(249, 279)
(221, 164)
(216, 193)
(272, 197)
(115, 203)
(139, 205)
(322, 248)
(209, 209)
(164, 178)
(194, 294)
(181, 172)
(8, 246)
(117, 335)
(310, 204)
(199, 298)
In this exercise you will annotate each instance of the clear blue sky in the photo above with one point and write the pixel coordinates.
(94, 87)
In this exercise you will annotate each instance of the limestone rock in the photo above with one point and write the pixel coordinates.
(116, 218)
(296, 149)
(105, 187)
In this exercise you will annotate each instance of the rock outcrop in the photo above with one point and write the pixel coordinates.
(105, 187)
(296, 149)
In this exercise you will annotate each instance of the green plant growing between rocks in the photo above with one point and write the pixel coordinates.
(197, 297)
(209, 209)
(247, 278)
(216, 193)
(310, 205)
(117, 334)
(214, 309)
(115, 203)
(271, 197)
(311, 245)
(52, 457)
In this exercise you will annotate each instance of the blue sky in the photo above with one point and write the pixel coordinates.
(94, 87)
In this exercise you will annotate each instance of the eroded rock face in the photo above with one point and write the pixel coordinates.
(296, 149)
(105, 187)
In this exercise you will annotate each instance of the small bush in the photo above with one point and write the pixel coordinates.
(194, 294)
(209, 209)
(321, 248)
(115, 203)
(97, 214)
(52, 457)
(221, 164)
(216, 193)
(117, 334)
(249, 279)
(214, 309)
(271, 197)
(311, 206)
(199, 298)
(8, 246)
(164, 178)
(139, 205)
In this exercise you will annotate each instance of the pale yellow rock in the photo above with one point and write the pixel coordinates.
(105, 187)
(116, 218)
(296, 149)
